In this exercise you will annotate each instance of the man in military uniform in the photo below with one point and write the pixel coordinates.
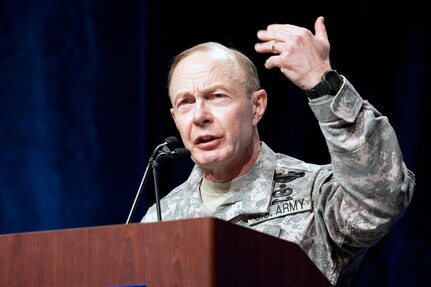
(335, 211)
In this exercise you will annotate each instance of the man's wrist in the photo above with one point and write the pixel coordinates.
(329, 84)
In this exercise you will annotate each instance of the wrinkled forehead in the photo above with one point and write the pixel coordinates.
(209, 65)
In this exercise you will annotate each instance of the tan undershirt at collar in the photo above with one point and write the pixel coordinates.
(215, 193)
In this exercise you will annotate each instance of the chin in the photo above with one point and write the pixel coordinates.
(208, 159)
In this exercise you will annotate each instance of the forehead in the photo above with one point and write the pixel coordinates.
(203, 66)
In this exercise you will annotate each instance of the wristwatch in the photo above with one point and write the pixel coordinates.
(329, 85)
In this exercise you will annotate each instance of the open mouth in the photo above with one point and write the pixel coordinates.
(204, 139)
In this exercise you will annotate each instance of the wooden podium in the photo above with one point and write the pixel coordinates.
(193, 252)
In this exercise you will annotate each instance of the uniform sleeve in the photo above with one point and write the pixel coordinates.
(371, 187)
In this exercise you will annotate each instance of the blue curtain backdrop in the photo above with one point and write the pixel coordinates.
(83, 103)
(69, 112)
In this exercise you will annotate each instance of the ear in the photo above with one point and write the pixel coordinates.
(259, 100)
(172, 113)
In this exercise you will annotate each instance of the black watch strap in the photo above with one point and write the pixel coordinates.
(330, 83)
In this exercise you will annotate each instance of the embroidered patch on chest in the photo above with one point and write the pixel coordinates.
(283, 208)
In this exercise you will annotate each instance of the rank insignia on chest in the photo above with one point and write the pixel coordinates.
(282, 193)
(291, 175)
(283, 201)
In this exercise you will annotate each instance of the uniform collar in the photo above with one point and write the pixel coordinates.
(257, 186)
(254, 194)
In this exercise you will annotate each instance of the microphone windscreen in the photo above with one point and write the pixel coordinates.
(171, 140)
(182, 153)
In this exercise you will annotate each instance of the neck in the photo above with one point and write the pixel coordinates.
(235, 169)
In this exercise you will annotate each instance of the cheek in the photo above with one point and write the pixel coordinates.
(237, 121)
(183, 124)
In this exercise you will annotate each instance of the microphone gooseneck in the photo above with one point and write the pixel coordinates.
(162, 150)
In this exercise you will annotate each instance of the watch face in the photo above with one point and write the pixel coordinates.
(329, 85)
(334, 81)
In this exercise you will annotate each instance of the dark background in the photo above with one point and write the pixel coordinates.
(83, 103)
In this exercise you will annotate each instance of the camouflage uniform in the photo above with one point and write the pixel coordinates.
(334, 212)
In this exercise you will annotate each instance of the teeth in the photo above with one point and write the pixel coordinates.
(205, 139)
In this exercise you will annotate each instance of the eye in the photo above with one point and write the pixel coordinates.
(218, 96)
(184, 102)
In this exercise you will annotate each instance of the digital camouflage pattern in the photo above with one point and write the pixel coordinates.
(335, 212)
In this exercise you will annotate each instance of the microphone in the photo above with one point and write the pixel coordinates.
(175, 154)
(163, 150)
(179, 153)
(170, 141)
(164, 145)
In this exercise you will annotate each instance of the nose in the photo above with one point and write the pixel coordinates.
(201, 113)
